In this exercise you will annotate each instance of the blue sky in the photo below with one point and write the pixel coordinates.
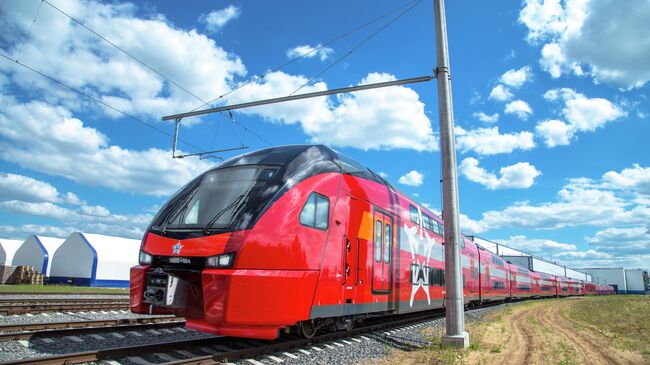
(550, 103)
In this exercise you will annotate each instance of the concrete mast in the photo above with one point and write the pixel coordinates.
(455, 312)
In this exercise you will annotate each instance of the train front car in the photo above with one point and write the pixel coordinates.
(238, 250)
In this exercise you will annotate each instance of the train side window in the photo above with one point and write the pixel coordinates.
(415, 218)
(378, 237)
(316, 212)
(387, 243)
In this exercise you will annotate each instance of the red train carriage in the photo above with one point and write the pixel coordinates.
(296, 238)
(536, 287)
(494, 284)
(563, 288)
(548, 285)
(521, 282)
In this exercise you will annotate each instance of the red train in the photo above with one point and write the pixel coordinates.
(297, 238)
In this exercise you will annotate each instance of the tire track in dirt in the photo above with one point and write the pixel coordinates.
(589, 351)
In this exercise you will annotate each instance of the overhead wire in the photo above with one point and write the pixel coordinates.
(99, 101)
(357, 46)
(136, 59)
(38, 11)
(343, 35)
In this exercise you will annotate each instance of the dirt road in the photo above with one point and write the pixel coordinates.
(539, 333)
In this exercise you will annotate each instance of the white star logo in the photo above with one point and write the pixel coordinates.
(177, 248)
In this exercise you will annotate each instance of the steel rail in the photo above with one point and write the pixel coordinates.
(46, 308)
(57, 329)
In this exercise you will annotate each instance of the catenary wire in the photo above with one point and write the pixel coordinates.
(99, 101)
(141, 62)
(357, 46)
(343, 35)
(38, 11)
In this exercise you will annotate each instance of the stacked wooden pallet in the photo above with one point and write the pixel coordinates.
(27, 275)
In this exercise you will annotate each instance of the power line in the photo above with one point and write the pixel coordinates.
(357, 46)
(312, 51)
(98, 101)
(131, 56)
(38, 11)
(121, 49)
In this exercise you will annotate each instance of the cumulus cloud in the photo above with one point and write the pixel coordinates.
(59, 47)
(601, 39)
(488, 141)
(309, 52)
(413, 178)
(500, 93)
(516, 78)
(20, 187)
(374, 119)
(518, 176)
(519, 108)
(537, 245)
(582, 114)
(486, 118)
(636, 178)
(555, 132)
(50, 140)
(216, 20)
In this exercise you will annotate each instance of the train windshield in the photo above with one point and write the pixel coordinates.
(215, 201)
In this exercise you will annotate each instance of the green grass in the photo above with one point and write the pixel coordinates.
(622, 319)
(62, 289)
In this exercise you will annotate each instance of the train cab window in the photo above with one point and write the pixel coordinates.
(316, 212)
(415, 217)
(387, 243)
(378, 238)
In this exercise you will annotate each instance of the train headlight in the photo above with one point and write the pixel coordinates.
(221, 261)
(145, 258)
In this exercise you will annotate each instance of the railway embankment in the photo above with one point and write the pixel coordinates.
(584, 330)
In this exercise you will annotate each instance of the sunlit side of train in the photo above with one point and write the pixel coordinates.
(299, 238)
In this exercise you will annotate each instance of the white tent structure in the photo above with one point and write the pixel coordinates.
(37, 251)
(8, 249)
(95, 260)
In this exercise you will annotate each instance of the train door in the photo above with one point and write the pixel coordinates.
(351, 255)
(382, 278)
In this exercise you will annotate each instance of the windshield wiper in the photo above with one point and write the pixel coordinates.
(207, 227)
(173, 210)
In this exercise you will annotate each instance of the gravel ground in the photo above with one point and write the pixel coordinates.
(374, 345)
(67, 317)
(46, 346)
(19, 297)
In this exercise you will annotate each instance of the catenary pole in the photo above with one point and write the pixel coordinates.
(455, 312)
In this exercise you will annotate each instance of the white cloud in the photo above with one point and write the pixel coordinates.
(50, 140)
(96, 210)
(601, 39)
(636, 178)
(42, 209)
(75, 56)
(374, 119)
(582, 202)
(518, 176)
(500, 93)
(72, 198)
(555, 132)
(413, 178)
(488, 141)
(20, 232)
(583, 114)
(516, 78)
(310, 52)
(215, 20)
(470, 226)
(383, 174)
(620, 236)
(20, 187)
(519, 108)
(486, 118)
(537, 245)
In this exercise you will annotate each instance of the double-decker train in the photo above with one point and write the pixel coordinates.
(297, 238)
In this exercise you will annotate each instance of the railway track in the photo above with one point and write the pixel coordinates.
(219, 349)
(20, 306)
(54, 329)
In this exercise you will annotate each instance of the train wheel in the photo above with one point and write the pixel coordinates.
(308, 329)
